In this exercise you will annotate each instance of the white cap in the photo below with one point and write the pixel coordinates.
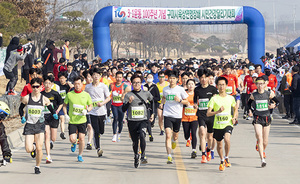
(255, 75)
(175, 61)
(161, 62)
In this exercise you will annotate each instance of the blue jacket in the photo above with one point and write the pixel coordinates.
(155, 77)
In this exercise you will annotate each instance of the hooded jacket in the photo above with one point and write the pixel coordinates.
(14, 43)
(13, 59)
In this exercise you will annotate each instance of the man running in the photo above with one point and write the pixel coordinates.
(100, 96)
(263, 100)
(203, 94)
(51, 123)
(34, 129)
(136, 102)
(223, 122)
(78, 101)
(173, 97)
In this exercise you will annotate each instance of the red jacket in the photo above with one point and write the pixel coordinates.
(247, 82)
(58, 68)
(252, 87)
(272, 81)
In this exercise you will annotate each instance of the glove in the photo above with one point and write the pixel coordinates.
(67, 118)
(23, 120)
(55, 116)
(84, 111)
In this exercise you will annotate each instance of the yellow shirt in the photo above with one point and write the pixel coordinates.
(160, 89)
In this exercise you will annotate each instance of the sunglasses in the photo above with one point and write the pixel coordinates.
(35, 86)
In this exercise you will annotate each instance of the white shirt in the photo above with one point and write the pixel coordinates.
(172, 108)
(98, 94)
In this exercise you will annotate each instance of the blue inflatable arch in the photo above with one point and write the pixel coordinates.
(209, 15)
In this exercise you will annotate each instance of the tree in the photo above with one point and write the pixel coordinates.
(11, 24)
(202, 47)
(233, 50)
(239, 36)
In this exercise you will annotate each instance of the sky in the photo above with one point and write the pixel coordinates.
(282, 10)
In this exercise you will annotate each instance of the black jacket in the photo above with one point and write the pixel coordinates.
(295, 87)
(13, 45)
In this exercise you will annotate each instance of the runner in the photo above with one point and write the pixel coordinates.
(173, 97)
(223, 122)
(203, 94)
(51, 124)
(137, 102)
(34, 118)
(64, 88)
(189, 118)
(261, 115)
(161, 85)
(118, 91)
(100, 96)
(6, 152)
(80, 103)
(247, 83)
(232, 80)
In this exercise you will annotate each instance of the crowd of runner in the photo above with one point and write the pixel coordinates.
(135, 92)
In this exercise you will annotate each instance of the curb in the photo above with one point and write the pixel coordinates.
(16, 138)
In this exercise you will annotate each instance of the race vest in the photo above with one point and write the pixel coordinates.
(77, 110)
(117, 94)
(202, 103)
(137, 112)
(190, 111)
(262, 105)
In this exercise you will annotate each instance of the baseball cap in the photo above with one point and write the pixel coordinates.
(255, 75)
(251, 68)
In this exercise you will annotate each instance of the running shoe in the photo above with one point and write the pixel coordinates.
(161, 132)
(212, 153)
(170, 160)
(144, 160)
(89, 146)
(73, 147)
(136, 161)
(264, 155)
(114, 139)
(33, 153)
(150, 138)
(79, 158)
(193, 154)
(7, 159)
(118, 137)
(188, 143)
(204, 160)
(208, 157)
(12, 93)
(99, 152)
(37, 170)
(51, 145)
(221, 167)
(244, 116)
(174, 144)
(48, 160)
(263, 164)
(227, 163)
(62, 135)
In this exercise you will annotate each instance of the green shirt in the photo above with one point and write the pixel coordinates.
(224, 118)
(77, 102)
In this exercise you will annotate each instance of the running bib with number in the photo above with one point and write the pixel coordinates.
(190, 111)
(202, 104)
(170, 97)
(161, 95)
(137, 112)
(63, 94)
(34, 112)
(228, 90)
(96, 101)
(117, 98)
(46, 110)
(262, 105)
(223, 118)
(77, 110)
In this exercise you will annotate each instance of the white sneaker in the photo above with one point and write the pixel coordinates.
(114, 139)
(119, 138)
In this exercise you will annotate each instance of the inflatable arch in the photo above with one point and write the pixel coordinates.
(207, 15)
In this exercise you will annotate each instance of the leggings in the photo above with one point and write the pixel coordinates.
(98, 126)
(108, 107)
(137, 130)
(3, 141)
(118, 118)
(13, 79)
(190, 127)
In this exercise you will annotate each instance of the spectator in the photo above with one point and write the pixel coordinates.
(295, 88)
(66, 53)
(285, 83)
(48, 59)
(71, 74)
(59, 67)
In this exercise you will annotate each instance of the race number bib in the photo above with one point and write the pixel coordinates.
(63, 94)
(202, 103)
(161, 95)
(223, 118)
(117, 97)
(190, 111)
(228, 90)
(96, 101)
(137, 112)
(262, 105)
(77, 110)
(34, 112)
(46, 110)
(170, 97)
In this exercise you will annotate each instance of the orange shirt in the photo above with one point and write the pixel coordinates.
(272, 81)
(232, 83)
(113, 79)
(240, 72)
(189, 113)
(289, 79)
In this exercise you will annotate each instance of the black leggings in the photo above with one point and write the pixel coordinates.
(98, 126)
(137, 130)
(246, 110)
(190, 127)
(13, 79)
(3, 141)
